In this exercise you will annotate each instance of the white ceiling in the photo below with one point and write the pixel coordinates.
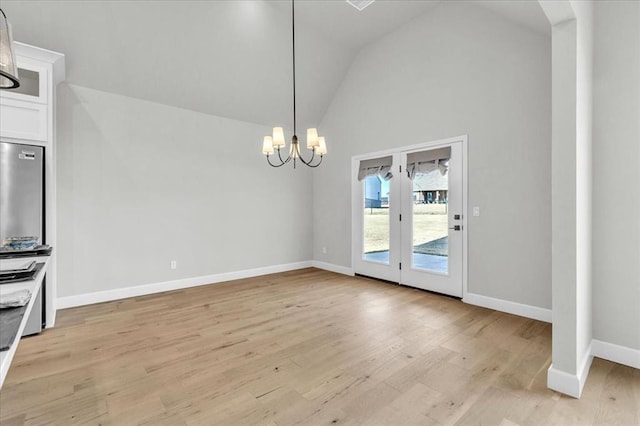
(347, 26)
(226, 58)
(344, 25)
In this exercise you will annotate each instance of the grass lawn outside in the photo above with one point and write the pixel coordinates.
(430, 222)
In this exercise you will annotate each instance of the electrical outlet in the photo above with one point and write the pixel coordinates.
(174, 264)
(476, 211)
(324, 250)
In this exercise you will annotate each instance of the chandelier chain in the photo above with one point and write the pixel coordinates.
(293, 39)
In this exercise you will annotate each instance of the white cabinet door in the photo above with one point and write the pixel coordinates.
(23, 120)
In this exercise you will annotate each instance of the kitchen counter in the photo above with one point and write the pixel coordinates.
(34, 286)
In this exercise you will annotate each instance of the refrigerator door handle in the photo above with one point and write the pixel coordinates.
(27, 155)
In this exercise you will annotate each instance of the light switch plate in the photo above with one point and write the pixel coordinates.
(476, 211)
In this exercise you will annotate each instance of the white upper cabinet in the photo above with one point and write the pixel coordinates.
(26, 113)
(34, 82)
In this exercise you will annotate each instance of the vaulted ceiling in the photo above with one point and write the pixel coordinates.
(226, 58)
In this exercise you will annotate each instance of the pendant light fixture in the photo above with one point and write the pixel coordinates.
(8, 67)
(276, 142)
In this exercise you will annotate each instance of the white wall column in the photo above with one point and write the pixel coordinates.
(572, 64)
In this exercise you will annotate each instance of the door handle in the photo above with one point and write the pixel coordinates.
(27, 155)
(456, 228)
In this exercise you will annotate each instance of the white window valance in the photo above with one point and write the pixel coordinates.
(428, 161)
(376, 167)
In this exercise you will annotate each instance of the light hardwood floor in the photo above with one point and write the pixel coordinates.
(303, 347)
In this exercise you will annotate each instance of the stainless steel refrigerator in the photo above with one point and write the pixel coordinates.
(22, 205)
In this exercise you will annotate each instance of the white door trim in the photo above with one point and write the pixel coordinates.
(356, 232)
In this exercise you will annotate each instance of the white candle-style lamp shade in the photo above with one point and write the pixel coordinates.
(278, 137)
(267, 145)
(312, 138)
(322, 146)
(8, 67)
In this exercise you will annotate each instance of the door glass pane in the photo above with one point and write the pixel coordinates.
(29, 82)
(430, 221)
(376, 220)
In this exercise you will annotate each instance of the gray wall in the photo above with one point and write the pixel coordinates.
(141, 184)
(616, 182)
(457, 70)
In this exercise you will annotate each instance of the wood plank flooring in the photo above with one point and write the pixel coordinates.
(303, 347)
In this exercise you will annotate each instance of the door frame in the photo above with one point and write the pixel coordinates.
(356, 210)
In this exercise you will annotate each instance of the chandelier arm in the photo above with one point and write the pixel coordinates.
(308, 163)
(282, 163)
(280, 157)
(313, 155)
(315, 165)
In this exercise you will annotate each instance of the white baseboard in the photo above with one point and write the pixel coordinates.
(527, 311)
(140, 290)
(616, 353)
(567, 383)
(333, 268)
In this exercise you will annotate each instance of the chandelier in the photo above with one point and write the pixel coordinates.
(275, 142)
(8, 67)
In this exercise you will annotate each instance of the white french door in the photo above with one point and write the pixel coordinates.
(410, 228)
(432, 225)
(376, 209)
